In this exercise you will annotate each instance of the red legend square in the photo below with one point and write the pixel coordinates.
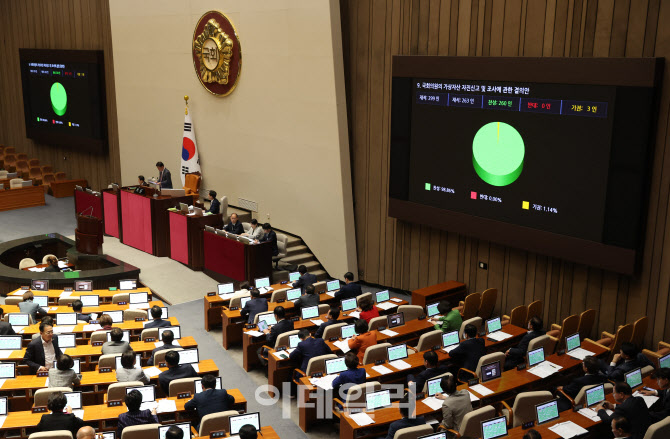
(473, 195)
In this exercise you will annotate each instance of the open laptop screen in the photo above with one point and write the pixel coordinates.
(398, 352)
(66, 318)
(294, 276)
(336, 365)
(376, 400)
(535, 356)
(237, 422)
(450, 339)
(42, 301)
(10, 342)
(39, 285)
(490, 371)
(310, 312)
(198, 384)
(348, 304)
(176, 331)
(431, 309)
(225, 288)
(493, 428)
(90, 300)
(634, 378)
(395, 320)
(127, 284)
(293, 294)
(572, 342)
(262, 282)
(493, 325)
(595, 394)
(142, 297)
(382, 296)
(547, 411)
(332, 285)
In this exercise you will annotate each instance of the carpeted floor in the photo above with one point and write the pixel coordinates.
(56, 217)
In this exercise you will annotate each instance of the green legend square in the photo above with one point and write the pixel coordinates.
(427, 186)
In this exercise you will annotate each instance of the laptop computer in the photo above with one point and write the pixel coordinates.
(176, 330)
(183, 426)
(198, 384)
(127, 284)
(269, 319)
(42, 301)
(225, 288)
(262, 325)
(336, 365)
(572, 342)
(332, 285)
(293, 341)
(3, 406)
(348, 331)
(66, 318)
(262, 282)
(309, 312)
(536, 356)
(117, 316)
(137, 365)
(433, 386)
(10, 342)
(490, 371)
(148, 394)
(493, 428)
(243, 301)
(493, 325)
(73, 400)
(377, 400)
(90, 300)
(398, 352)
(382, 296)
(237, 422)
(142, 297)
(293, 294)
(66, 341)
(293, 276)
(634, 378)
(7, 370)
(395, 320)
(348, 304)
(76, 366)
(83, 285)
(431, 309)
(547, 411)
(450, 340)
(18, 319)
(39, 285)
(189, 356)
(595, 395)
(126, 336)
(664, 361)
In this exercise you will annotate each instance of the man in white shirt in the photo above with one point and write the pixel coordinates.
(42, 351)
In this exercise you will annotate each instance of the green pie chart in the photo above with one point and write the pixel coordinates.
(58, 98)
(497, 153)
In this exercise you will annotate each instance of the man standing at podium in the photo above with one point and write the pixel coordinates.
(164, 177)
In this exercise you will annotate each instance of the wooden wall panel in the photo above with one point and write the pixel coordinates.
(408, 256)
(56, 24)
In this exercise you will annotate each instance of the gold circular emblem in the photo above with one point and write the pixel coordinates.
(217, 56)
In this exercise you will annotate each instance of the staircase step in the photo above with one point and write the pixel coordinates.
(320, 275)
(299, 259)
(296, 249)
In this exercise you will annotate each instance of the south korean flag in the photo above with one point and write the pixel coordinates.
(190, 162)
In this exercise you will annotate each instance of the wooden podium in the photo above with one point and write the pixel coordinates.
(88, 235)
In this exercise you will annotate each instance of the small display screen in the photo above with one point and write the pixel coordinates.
(237, 422)
(10, 342)
(117, 316)
(493, 325)
(382, 296)
(176, 331)
(395, 320)
(42, 301)
(139, 297)
(198, 384)
(262, 282)
(434, 386)
(90, 300)
(7, 370)
(333, 285)
(128, 284)
(535, 356)
(310, 312)
(73, 399)
(376, 400)
(397, 352)
(39, 285)
(432, 310)
(148, 392)
(17, 319)
(137, 365)
(547, 412)
(243, 301)
(226, 288)
(3, 406)
(664, 361)
(293, 341)
(634, 378)
(348, 331)
(490, 371)
(66, 318)
(76, 367)
(594, 395)
(188, 356)
(268, 318)
(83, 285)
(494, 428)
(348, 304)
(126, 336)
(293, 294)
(185, 427)
(66, 341)
(335, 365)
(572, 342)
(294, 276)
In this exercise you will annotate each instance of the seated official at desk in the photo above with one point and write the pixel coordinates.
(304, 279)
(62, 375)
(407, 407)
(367, 309)
(270, 236)
(333, 315)
(5, 327)
(622, 428)
(214, 204)
(116, 345)
(517, 354)
(174, 432)
(282, 326)
(470, 350)
(449, 320)
(164, 176)
(210, 400)
(86, 432)
(52, 265)
(254, 306)
(141, 182)
(30, 307)
(234, 226)
(362, 340)
(628, 406)
(432, 369)
(42, 351)
(350, 377)
(106, 322)
(58, 420)
(175, 371)
(628, 358)
(168, 338)
(532, 434)
(128, 371)
(158, 322)
(350, 290)
(456, 403)
(307, 299)
(661, 408)
(77, 306)
(255, 232)
(135, 416)
(248, 431)
(592, 376)
(308, 348)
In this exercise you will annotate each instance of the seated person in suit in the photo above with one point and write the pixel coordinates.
(470, 350)
(58, 419)
(174, 432)
(62, 375)
(128, 371)
(164, 176)
(210, 400)
(270, 236)
(141, 182)
(350, 377)
(282, 326)
(627, 359)
(456, 403)
(256, 305)
(248, 431)
(158, 322)
(333, 315)
(116, 345)
(105, 322)
(367, 308)
(661, 408)
(628, 406)
(214, 203)
(308, 348)
(42, 351)
(517, 354)
(234, 226)
(592, 376)
(350, 289)
(532, 434)
(175, 371)
(304, 280)
(52, 265)
(5, 327)
(362, 340)
(77, 306)
(621, 428)
(255, 232)
(168, 340)
(86, 432)
(409, 419)
(135, 416)
(432, 369)
(308, 299)
(449, 320)
(30, 307)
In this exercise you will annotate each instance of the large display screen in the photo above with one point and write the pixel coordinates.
(549, 155)
(64, 97)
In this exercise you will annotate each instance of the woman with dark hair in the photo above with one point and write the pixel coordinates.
(106, 322)
(367, 308)
(128, 372)
(363, 339)
(62, 375)
(59, 419)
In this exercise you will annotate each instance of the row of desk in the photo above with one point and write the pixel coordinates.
(105, 295)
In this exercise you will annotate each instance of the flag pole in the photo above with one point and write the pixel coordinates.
(186, 99)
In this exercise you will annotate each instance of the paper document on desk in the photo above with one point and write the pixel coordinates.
(649, 400)
(160, 343)
(545, 369)
(150, 405)
(152, 371)
(254, 333)
(37, 270)
(362, 419)
(91, 328)
(63, 329)
(382, 370)
(399, 364)
(499, 335)
(343, 345)
(433, 403)
(196, 367)
(5, 353)
(388, 333)
(19, 293)
(331, 293)
(281, 355)
(166, 406)
(473, 397)
(325, 382)
(2, 420)
(19, 329)
(317, 322)
(52, 309)
(386, 305)
(2, 383)
(46, 382)
(355, 314)
(580, 353)
(481, 389)
(65, 294)
(396, 300)
(62, 264)
(78, 413)
(568, 429)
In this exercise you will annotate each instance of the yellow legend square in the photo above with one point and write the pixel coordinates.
(69, 123)
(525, 205)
